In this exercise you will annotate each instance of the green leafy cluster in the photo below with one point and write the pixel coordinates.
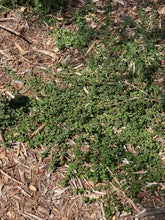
(81, 39)
(42, 7)
(65, 38)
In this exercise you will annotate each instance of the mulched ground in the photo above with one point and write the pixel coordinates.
(28, 190)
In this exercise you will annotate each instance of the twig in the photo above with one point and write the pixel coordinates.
(17, 161)
(27, 60)
(99, 192)
(147, 212)
(13, 194)
(102, 209)
(156, 212)
(28, 214)
(10, 177)
(36, 131)
(77, 67)
(2, 197)
(86, 90)
(66, 196)
(88, 183)
(49, 53)
(14, 32)
(10, 30)
(124, 195)
(18, 149)
(119, 1)
(74, 183)
(116, 180)
(121, 192)
(23, 191)
(10, 95)
(90, 48)
(80, 183)
(150, 100)
(134, 98)
(1, 137)
(24, 149)
(17, 15)
(75, 186)
(3, 53)
(7, 19)
(135, 87)
(24, 72)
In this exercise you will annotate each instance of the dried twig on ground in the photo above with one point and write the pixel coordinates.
(6, 55)
(135, 87)
(37, 130)
(119, 191)
(154, 212)
(7, 19)
(1, 137)
(10, 30)
(31, 216)
(10, 177)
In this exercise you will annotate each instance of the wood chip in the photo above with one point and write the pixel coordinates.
(10, 177)
(32, 188)
(5, 54)
(1, 137)
(19, 48)
(38, 129)
(44, 210)
(49, 53)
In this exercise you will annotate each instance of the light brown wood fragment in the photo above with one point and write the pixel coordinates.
(43, 210)
(18, 149)
(32, 188)
(37, 130)
(5, 54)
(1, 137)
(21, 174)
(9, 30)
(10, 177)
(21, 50)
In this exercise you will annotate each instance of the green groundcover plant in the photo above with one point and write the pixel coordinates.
(114, 107)
(42, 7)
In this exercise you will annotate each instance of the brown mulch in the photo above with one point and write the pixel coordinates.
(28, 190)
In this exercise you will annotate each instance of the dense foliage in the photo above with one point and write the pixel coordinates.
(113, 111)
